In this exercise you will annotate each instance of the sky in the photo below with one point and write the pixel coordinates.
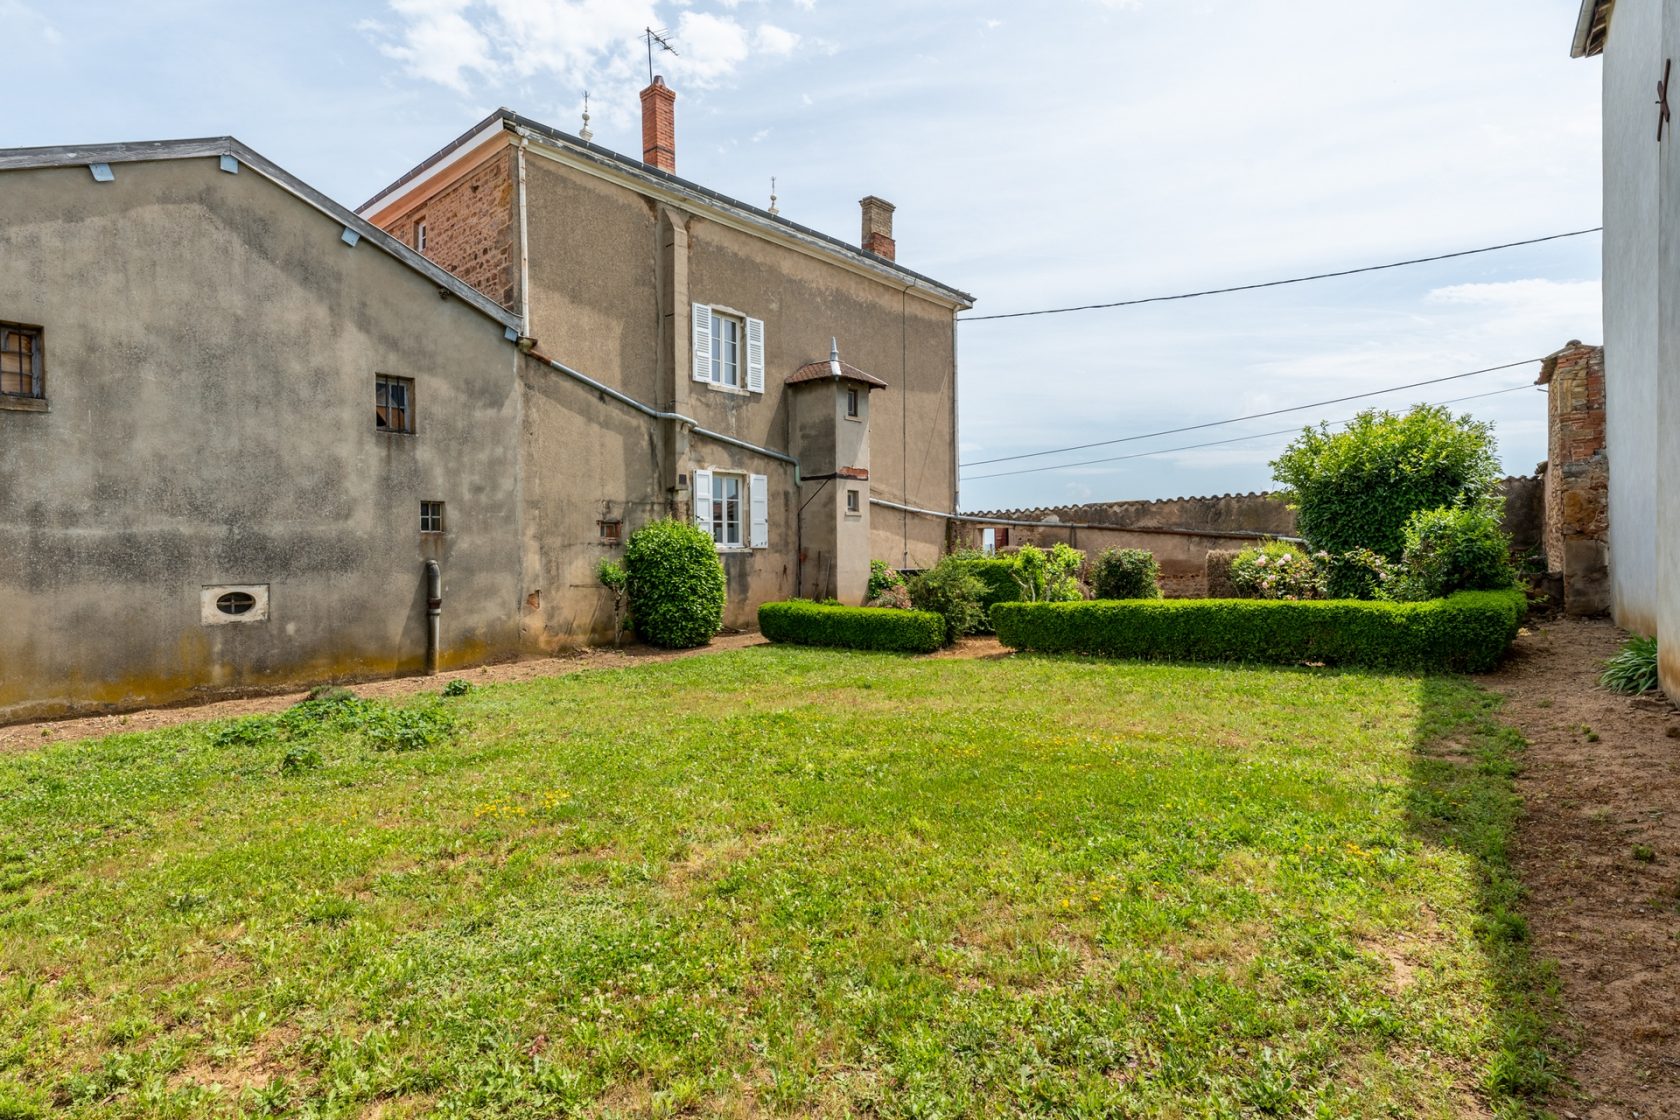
(1047, 155)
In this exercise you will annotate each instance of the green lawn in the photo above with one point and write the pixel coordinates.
(784, 882)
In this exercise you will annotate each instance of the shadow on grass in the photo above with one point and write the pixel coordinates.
(1462, 796)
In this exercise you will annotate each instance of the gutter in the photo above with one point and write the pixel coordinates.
(1224, 534)
(648, 410)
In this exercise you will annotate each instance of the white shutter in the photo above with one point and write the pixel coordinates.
(755, 355)
(702, 321)
(703, 500)
(758, 496)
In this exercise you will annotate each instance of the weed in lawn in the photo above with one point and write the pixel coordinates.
(457, 687)
(1644, 854)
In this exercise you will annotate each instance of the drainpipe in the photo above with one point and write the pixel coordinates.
(434, 612)
(524, 245)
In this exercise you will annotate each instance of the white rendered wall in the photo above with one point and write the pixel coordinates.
(1632, 65)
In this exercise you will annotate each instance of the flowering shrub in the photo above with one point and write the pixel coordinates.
(883, 577)
(893, 595)
(1356, 574)
(1277, 571)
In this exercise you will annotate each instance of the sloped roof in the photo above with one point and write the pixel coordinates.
(692, 192)
(74, 155)
(1592, 27)
(824, 371)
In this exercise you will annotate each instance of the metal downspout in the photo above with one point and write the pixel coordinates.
(524, 245)
(434, 613)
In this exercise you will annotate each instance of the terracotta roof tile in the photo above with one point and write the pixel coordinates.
(822, 371)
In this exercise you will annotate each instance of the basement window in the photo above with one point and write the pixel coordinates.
(236, 602)
(393, 404)
(431, 517)
(226, 604)
(22, 362)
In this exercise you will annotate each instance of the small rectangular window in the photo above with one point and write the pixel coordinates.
(611, 530)
(420, 236)
(726, 350)
(393, 404)
(852, 403)
(851, 501)
(726, 509)
(431, 517)
(22, 361)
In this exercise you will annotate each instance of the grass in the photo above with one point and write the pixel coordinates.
(788, 882)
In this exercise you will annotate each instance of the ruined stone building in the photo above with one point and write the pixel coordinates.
(247, 434)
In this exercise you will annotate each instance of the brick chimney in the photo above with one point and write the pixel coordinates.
(659, 127)
(877, 227)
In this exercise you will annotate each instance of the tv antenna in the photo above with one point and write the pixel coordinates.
(660, 38)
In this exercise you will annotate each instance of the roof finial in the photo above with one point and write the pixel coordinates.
(773, 210)
(586, 136)
(834, 356)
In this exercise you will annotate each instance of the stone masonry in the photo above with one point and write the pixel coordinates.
(471, 229)
(1577, 478)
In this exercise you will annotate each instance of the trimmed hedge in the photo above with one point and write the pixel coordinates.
(875, 628)
(1466, 632)
(997, 576)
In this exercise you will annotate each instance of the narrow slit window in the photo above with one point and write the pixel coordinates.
(393, 404)
(22, 361)
(420, 236)
(431, 517)
(851, 501)
(852, 403)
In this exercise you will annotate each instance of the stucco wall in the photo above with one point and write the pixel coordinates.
(1633, 60)
(212, 348)
(1664, 479)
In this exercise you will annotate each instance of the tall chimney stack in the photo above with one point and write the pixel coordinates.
(877, 227)
(659, 127)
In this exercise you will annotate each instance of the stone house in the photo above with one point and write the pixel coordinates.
(790, 369)
(1638, 43)
(250, 439)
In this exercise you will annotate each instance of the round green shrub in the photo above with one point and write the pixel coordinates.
(1126, 573)
(1358, 574)
(676, 584)
(951, 591)
(1276, 570)
(1460, 548)
(1357, 488)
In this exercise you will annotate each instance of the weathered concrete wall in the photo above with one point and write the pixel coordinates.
(1633, 61)
(1664, 480)
(211, 391)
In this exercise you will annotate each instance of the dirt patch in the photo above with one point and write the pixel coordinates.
(1598, 850)
(982, 648)
(24, 736)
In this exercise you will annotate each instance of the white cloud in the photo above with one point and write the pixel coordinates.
(27, 24)
(775, 40)
(711, 47)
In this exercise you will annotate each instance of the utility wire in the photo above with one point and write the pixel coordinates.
(1282, 283)
(1251, 416)
(1217, 442)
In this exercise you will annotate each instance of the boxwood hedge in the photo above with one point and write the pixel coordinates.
(1466, 632)
(997, 580)
(874, 628)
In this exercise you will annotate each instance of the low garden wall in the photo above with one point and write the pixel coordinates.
(1466, 632)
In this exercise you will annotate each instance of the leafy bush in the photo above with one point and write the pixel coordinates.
(1356, 574)
(1456, 549)
(894, 596)
(950, 590)
(1468, 632)
(1276, 570)
(1634, 669)
(611, 575)
(298, 758)
(249, 731)
(812, 624)
(1126, 573)
(1048, 577)
(997, 581)
(457, 687)
(676, 584)
(1357, 488)
(882, 577)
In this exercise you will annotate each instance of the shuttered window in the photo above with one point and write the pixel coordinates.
(22, 372)
(733, 509)
(728, 348)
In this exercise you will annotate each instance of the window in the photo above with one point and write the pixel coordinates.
(734, 509)
(224, 604)
(431, 517)
(851, 501)
(21, 361)
(612, 530)
(235, 602)
(420, 236)
(852, 403)
(393, 404)
(728, 348)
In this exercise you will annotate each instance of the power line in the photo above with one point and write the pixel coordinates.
(1217, 442)
(1252, 416)
(1282, 283)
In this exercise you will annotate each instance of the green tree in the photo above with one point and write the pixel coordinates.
(1357, 488)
